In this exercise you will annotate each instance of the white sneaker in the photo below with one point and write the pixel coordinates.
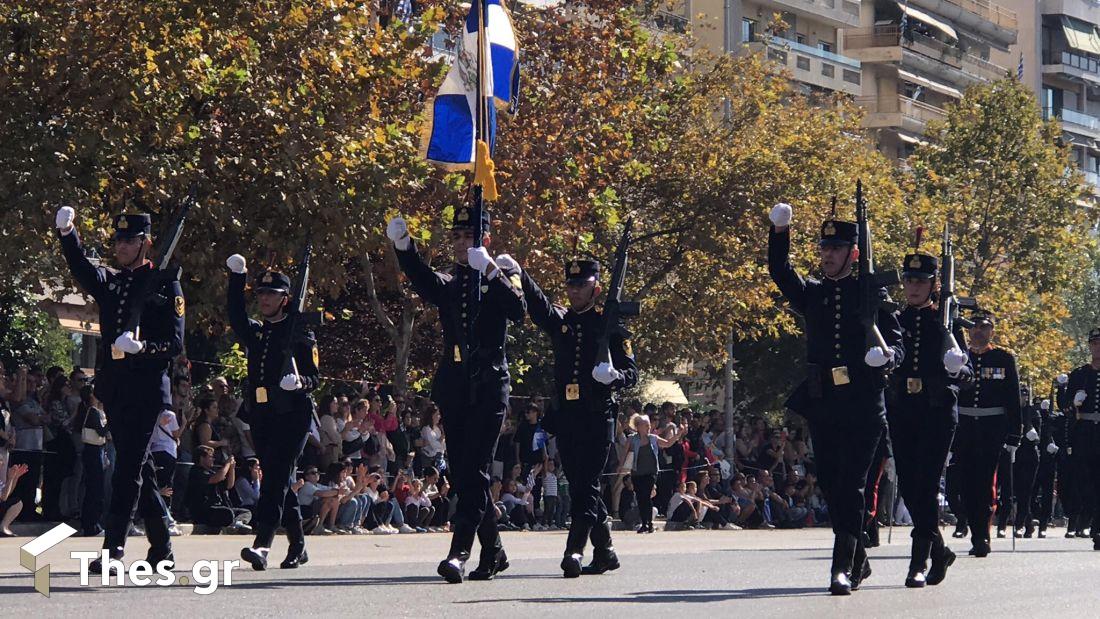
(407, 529)
(326, 531)
(378, 531)
(390, 529)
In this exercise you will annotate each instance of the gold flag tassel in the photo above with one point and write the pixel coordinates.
(485, 172)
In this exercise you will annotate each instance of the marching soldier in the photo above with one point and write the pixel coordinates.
(1023, 473)
(989, 423)
(583, 417)
(842, 396)
(471, 385)
(279, 406)
(923, 414)
(1051, 438)
(1083, 400)
(132, 374)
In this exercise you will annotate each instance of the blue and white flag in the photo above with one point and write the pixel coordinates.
(1020, 69)
(450, 133)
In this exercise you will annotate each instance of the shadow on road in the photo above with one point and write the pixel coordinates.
(672, 596)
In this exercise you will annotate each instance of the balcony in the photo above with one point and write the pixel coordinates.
(898, 112)
(1075, 122)
(1072, 65)
(1085, 10)
(885, 44)
(669, 21)
(834, 13)
(996, 22)
(811, 65)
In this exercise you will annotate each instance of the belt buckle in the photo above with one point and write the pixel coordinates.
(572, 392)
(840, 376)
(116, 353)
(914, 385)
(261, 395)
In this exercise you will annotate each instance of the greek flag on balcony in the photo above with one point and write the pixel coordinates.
(451, 134)
(1020, 69)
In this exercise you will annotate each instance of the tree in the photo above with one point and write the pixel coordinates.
(29, 336)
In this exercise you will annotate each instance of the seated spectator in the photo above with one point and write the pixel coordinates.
(207, 493)
(352, 503)
(10, 505)
(727, 510)
(418, 507)
(395, 494)
(319, 501)
(380, 514)
(628, 504)
(512, 497)
(746, 502)
(681, 508)
(248, 484)
(793, 511)
(438, 492)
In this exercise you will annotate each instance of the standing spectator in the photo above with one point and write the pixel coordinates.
(10, 504)
(28, 416)
(93, 436)
(56, 439)
(182, 399)
(398, 438)
(355, 433)
(641, 461)
(549, 495)
(505, 456)
(331, 427)
(434, 446)
(163, 449)
(529, 451)
(205, 433)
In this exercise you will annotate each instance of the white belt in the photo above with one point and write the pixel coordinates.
(988, 411)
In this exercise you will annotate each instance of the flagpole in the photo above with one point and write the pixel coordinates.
(480, 133)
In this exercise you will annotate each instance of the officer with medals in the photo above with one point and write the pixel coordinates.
(583, 417)
(842, 396)
(132, 374)
(279, 406)
(989, 423)
(1024, 470)
(472, 393)
(922, 411)
(1051, 439)
(1082, 406)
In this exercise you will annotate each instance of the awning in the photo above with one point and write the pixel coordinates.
(660, 391)
(924, 82)
(936, 22)
(1081, 35)
(908, 139)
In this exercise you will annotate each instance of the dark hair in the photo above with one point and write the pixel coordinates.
(86, 394)
(332, 473)
(204, 450)
(428, 472)
(429, 412)
(322, 408)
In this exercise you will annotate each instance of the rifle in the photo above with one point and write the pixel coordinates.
(614, 308)
(871, 282)
(164, 272)
(299, 319)
(949, 303)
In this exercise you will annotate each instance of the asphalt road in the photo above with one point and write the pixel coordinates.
(711, 573)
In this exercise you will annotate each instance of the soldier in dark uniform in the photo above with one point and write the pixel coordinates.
(1023, 472)
(132, 375)
(1051, 438)
(583, 416)
(922, 410)
(471, 385)
(842, 396)
(989, 423)
(1083, 399)
(279, 406)
(872, 499)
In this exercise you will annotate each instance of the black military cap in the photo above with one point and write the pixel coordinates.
(130, 226)
(273, 281)
(984, 317)
(920, 266)
(1094, 334)
(580, 270)
(834, 232)
(464, 218)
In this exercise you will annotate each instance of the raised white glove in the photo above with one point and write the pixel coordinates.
(606, 373)
(876, 357)
(1052, 449)
(1080, 397)
(1011, 449)
(1032, 435)
(1045, 405)
(781, 214)
(290, 382)
(127, 344)
(479, 259)
(1063, 379)
(508, 263)
(64, 219)
(954, 360)
(236, 263)
(398, 231)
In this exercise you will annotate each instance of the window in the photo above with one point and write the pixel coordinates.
(748, 30)
(800, 38)
(852, 77)
(824, 46)
(777, 56)
(802, 62)
(828, 70)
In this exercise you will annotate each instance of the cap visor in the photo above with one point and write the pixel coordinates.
(833, 243)
(917, 275)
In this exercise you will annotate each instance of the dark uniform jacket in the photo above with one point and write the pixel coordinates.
(501, 301)
(834, 338)
(265, 343)
(575, 340)
(923, 370)
(143, 376)
(1084, 379)
(996, 383)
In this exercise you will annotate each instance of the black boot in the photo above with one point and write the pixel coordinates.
(872, 539)
(96, 566)
(1071, 526)
(918, 563)
(844, 548)
(296, 555)
(257, 557)
(942, 558)
(961, 529)
(603, 560)
(453, 569)
(160, 555)
(861, 567)
(979, 547)
(574, 548)
(490, 564)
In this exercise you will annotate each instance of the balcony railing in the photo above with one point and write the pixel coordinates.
(1077, 61)
(994, 13)
(898, 104)
(672, 22)
(1093, 179)
(807, 50)
(891, 36)
(1073, 117)
(848, 7)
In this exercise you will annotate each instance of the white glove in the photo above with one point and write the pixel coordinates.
(876, 357)
(1052, 449)
(236, 263)
(954, 360)
(1063, 379)
(508, 263)
(1032, 435)
(1080, 397)
(479, 259)
(1011, 449)
(606, 373)
(127, 344)
(1045, 405)
(398, 231)
(781, 214)
(64, 219)
(290, 382)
